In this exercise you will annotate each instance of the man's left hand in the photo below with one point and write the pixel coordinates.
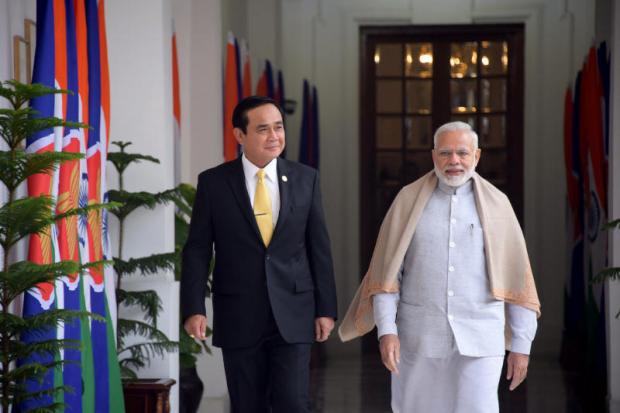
(517, 368)
(322, 327)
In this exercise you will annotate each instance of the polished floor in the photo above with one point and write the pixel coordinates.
(361, 385)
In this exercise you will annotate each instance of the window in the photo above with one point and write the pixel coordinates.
(414, 79)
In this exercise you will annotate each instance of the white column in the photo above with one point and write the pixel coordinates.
(139, 51)
(205, 141)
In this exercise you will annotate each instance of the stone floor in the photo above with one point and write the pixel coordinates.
(361, 385)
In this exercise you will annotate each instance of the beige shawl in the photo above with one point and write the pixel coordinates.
(508, 265)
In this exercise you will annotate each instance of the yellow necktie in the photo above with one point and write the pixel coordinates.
(262, 208)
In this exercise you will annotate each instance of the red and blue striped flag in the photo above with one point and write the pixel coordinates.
(71, 54)
(231, 98)
(108, 396)
(309, 136)
(264, 86)
(247, 70)
(176, 109)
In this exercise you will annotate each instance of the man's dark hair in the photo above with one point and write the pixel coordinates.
(240, 114)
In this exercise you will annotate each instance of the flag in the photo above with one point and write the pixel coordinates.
(265, 82)
(71, 54)
(68, 198)
(176, 109)
(586, 160)
(88, 375)
(49, 70)
(247, 70)
(596, 216)
(280, 98)
(116, 400)
(309, 145)
(108, 393)
(231, 98)
(574, 302)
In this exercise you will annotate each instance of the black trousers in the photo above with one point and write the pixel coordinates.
(270, 377)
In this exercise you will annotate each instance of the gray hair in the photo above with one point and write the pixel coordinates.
(456, 126)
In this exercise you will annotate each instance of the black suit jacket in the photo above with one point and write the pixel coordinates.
(293, 277)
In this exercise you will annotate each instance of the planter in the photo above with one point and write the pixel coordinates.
(190, 390)
(147, 395)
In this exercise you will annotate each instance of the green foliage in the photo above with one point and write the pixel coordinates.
(611, 273)
(17, 166)
(34, 215)
(122, 159)
(155, 342)
(19, 218)
(146, 265)
(130, 201)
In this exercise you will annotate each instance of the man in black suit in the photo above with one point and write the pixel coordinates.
(273, 282)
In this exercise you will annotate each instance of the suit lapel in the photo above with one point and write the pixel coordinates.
(284, 182)
(236, 179)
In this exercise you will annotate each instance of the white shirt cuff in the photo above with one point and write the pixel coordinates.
(385, 306)
(520, 345)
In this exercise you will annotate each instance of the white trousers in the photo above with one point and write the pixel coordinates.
(455, 384)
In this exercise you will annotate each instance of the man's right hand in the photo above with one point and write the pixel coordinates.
(196, 326)
(389, 345)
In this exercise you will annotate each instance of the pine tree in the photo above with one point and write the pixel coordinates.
(135, 356)
(20, 218)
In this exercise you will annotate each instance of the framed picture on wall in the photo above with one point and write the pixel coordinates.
(20, 59)
(30, 34)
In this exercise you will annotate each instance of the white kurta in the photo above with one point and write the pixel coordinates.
(448, 323)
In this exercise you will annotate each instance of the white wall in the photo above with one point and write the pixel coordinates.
(613, 287)
(139, 50)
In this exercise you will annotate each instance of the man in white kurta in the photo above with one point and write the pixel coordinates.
(442, 333)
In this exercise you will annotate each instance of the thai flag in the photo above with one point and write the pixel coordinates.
(231, 98)
(247, 70)
(265, 82)
(176, 109)
(280, 98)
(49, 70)
(309, 140)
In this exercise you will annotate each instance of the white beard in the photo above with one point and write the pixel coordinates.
(455, 181)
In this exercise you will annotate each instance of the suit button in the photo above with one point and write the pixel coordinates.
(268, 257)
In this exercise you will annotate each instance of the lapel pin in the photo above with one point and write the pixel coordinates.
(284, 178)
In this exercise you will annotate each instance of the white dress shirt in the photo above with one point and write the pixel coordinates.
(271, 180)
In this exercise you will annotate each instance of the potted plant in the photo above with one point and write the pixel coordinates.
(21, 218)
(190, 385)
(134, 356)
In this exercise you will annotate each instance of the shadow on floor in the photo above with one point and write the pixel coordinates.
(362, 385)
